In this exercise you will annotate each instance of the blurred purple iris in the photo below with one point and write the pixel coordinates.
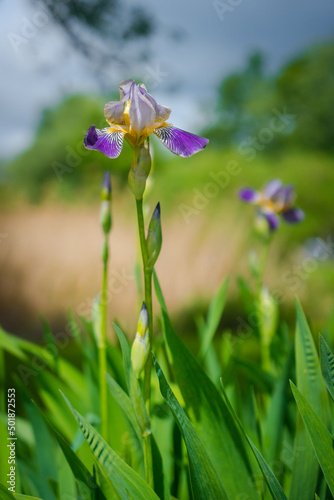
(274, 200)
(136, 116)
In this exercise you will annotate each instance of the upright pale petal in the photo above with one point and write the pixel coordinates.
(161, 112)
(113, 112)
(106, 140)
(141, 112)
(249, 195)
(124, 88)
(180, 142)
(285, 195)
(271, 188)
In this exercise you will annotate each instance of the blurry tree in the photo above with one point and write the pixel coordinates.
(303, 91)
(306, 87)
(101, 29)
(242, 103)
(58, 158)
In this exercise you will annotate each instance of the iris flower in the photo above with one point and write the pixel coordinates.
(136, 116)
(274, 200)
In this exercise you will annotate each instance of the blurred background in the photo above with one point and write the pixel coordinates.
(255, 77)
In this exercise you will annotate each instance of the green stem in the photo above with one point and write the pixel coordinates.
(102, 346)
(265, 347)
(148, 367)
(263, 263)
(2, 381)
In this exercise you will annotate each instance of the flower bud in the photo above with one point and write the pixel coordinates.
(140, 170)
(267, 312)
(106, 187)
(141, 344)
(154, 237)
(105, 212)
(261, 227)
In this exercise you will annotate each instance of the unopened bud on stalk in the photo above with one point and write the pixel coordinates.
(140, 170)
(105, 211)
(267, 311)
(141, 344)
(154, 237)
(261, 227)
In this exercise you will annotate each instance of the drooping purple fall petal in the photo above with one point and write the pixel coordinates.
(249, 195)
(293, 215)
(273, 220)
(107, 141)
(179, 141)
(271, 188)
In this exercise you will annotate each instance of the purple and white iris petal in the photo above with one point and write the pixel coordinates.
(105, 140)
(249, 195)
(124, 87)
(161, 112)
(141, 112)
(179, 141)
(113, 112)
(273, 220)
(293, 215)
(271, 188)
(285, 195)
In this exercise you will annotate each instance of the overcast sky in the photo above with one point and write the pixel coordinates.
(37, 71)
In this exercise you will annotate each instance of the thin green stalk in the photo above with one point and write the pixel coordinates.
(148, 271)
(263, 263)
(265, 347)
(148, 367)
(102, 346)
(2, 381)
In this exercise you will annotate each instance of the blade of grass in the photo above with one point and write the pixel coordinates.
(213, 319)
(205, 481)
(310, 383)
(274, 486)
(327, 365)
(321, 439)
(210, 418)
(120, 476)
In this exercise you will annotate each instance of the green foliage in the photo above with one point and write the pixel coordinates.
(238, 441)
(58, 160)
(303, 91)
(205, 481)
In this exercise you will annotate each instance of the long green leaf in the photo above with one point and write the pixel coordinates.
(46, 462)
(211, 418)
(310, 383)
(5, 494)
(321, 439)
(214, 316)
(124, 402)
(126, 482)
(133, 384)
(327, 365)
(80, 472)
(4, 465)
(205, 481)
(273, 428)
(18, 496)
(274, 486)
